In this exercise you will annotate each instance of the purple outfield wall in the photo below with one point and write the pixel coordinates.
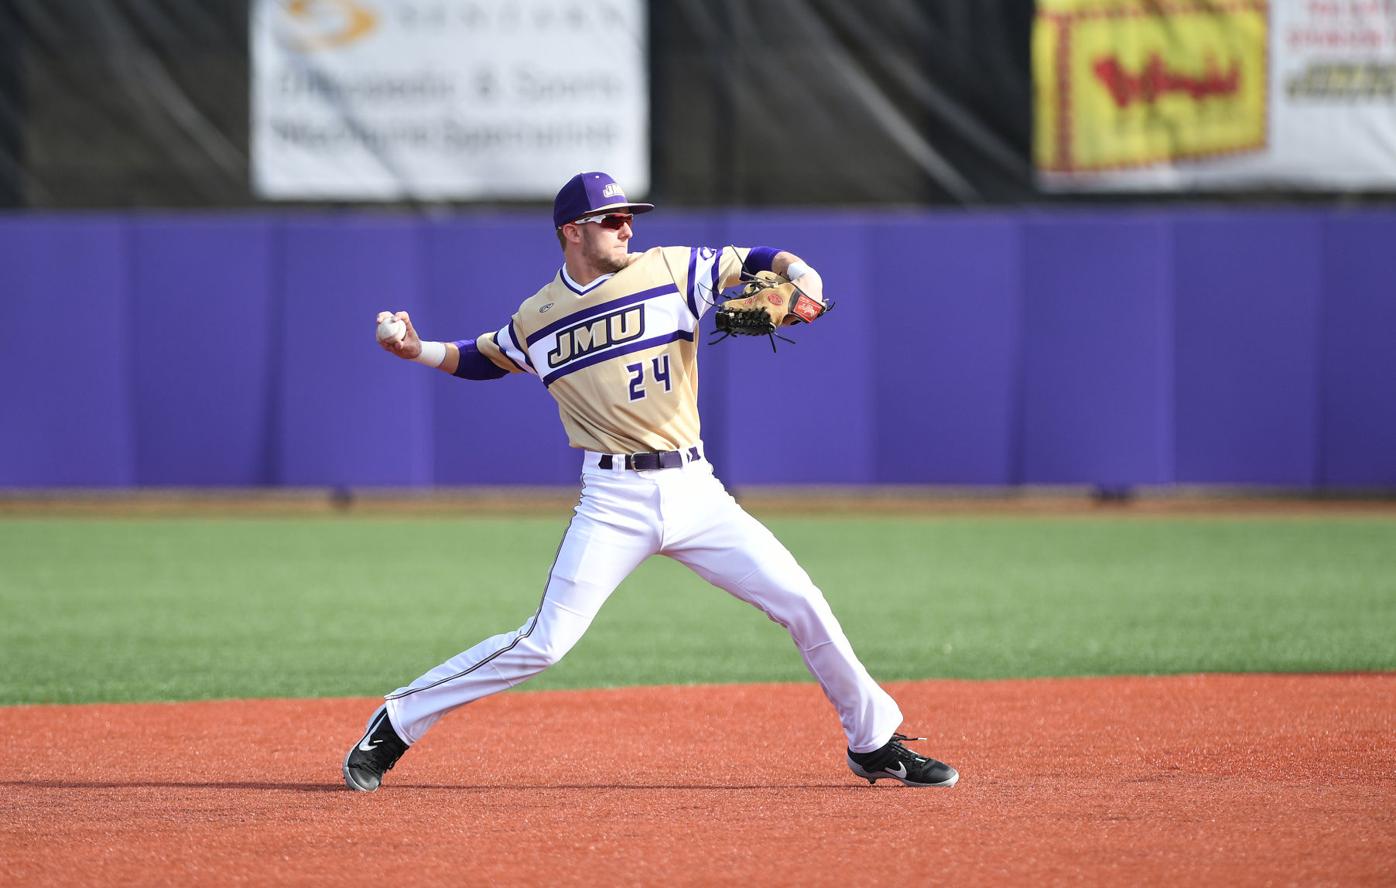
(1103, 348)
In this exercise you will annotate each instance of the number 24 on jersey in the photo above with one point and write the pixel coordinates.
(659, 368)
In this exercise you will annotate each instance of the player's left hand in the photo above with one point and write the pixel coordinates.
(812, 285)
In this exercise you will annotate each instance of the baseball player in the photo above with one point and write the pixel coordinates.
(613, 337)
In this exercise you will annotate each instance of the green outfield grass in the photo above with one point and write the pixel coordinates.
(168, 610)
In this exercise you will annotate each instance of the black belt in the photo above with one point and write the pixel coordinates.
(669, 459)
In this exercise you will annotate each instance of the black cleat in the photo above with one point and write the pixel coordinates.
(899, 763)
(374, 755)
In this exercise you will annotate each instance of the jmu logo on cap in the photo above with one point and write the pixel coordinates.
(612, 190)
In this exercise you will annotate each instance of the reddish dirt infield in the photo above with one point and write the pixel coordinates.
(1186, 780)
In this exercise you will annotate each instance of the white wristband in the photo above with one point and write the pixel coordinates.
(433, 353)
(796, 270)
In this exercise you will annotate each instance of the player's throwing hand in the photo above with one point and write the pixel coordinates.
(397, 336)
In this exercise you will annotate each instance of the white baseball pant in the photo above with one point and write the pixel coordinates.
(624, 517)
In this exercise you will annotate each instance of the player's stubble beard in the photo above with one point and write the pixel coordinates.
(606, 256)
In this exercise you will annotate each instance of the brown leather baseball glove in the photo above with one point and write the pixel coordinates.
(766, 302)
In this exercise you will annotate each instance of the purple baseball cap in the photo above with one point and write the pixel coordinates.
(587, 194)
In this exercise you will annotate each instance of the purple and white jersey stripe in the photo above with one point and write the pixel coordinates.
(505, 340)
(704, 265)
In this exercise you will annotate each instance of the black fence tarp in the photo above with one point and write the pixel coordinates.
(12, 108)
(128, 103)
(826, 101)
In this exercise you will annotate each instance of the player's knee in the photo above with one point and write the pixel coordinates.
(542, 651)
(804, 612)
(554, 632)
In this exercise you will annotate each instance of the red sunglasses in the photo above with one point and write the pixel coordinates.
(609, 221)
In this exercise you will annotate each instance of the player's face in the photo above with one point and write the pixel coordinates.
(605, 240)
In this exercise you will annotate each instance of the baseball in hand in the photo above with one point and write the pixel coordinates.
(391, 330)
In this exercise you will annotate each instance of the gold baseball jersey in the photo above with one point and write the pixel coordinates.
(620, 355)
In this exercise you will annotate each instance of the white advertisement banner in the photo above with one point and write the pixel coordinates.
(446, 99)
(1215, 94)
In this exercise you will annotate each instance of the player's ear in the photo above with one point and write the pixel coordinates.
(570, 231)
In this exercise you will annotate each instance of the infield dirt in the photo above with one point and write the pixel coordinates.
(1223, 780)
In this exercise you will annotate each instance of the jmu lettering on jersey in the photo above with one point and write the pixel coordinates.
(580, 340)
(620, 354)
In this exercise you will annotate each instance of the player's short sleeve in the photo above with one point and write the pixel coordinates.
(730, 266)
(710, 271)
(504, 350)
